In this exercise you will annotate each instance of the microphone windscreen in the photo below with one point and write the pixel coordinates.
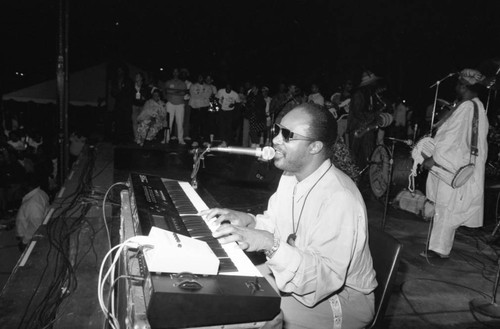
(268, 153)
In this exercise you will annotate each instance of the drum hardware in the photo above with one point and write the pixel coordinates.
(395, 162)
(382, 120)
(408, 142)
(391, 167)
(386, 201)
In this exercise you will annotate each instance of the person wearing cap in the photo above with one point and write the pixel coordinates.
(362, 113)
(461, 206)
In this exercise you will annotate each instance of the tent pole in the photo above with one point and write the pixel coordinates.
(62, 90)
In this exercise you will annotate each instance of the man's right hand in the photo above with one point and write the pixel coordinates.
(237, 218)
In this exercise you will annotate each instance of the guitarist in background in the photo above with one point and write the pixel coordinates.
(462, 206)
(364, 108)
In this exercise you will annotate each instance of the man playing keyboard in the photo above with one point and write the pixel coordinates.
(314, 232)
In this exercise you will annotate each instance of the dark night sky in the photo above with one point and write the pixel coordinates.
(410, 43)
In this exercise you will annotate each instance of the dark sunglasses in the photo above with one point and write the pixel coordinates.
(287, 134)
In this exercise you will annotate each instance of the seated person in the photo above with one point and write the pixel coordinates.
(77, 142)
(314, 232)
(152, 118)
(32, 212)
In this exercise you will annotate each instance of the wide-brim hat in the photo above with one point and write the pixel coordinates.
(368, 78)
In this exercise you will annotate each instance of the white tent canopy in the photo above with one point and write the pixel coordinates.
(87, 87)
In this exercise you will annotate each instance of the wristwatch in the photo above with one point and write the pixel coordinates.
(270, 252)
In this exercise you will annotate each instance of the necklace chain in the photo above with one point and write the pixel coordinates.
(293, 236)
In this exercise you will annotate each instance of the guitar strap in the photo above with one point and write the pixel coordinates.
(474, 151)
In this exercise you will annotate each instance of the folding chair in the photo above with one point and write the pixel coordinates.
(386, 252)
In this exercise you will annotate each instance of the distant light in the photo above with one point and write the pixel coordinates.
(117, 23)
(17, 73)
(21, 74)
(161, 68)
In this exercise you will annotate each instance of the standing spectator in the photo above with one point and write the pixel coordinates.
(228, 99)
(122, 90)
(269, 120)
(315, 97)
(362, 113)
(209, 125)
(140, 96)
(175, 90)
(256, 112)
(347, 90)
(15, 141)
(199, 102)
(340, 111)
(278, 100)
(401, 116)
(242, 115)
(184, 76)
(32, 211)
(293, 98)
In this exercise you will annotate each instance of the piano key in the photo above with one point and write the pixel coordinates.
(243, 264)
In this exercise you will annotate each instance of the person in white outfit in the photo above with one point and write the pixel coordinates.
(175, 90)
(32, 212)
(463, 206)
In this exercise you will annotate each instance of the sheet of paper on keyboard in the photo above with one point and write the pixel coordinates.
(175, 253)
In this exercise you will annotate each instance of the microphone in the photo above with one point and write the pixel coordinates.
(383, 120)
(408, 142)
(266, 153)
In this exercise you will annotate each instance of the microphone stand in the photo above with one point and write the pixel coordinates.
(389, 179)
(436, 84)
(391, 166)
(197, 157)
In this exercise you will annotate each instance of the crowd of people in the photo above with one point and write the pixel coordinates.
(26, 178)
(145, 111)
(29, 176)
